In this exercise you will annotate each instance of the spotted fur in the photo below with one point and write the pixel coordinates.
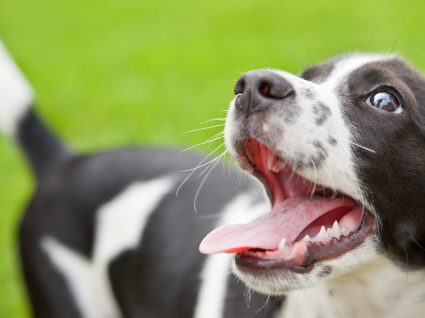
(339, 141)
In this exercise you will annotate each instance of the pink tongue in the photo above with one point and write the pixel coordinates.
(286, 220)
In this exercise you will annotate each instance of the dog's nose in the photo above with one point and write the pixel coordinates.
(258, 90)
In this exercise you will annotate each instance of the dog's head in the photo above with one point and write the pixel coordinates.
(340, 150)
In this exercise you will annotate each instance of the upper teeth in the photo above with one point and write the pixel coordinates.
(274, 164)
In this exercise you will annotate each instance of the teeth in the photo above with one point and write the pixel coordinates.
(344, 231)
(274, 164)
(335, 230)
(327, 234)
(270, 162)
(282, 244)
(322, 234)
(306, 238)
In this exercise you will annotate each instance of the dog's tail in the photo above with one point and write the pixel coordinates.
(19, 121)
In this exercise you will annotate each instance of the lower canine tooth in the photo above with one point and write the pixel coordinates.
(282, 244)
(322, 234)
(307, 238)
(335, 230)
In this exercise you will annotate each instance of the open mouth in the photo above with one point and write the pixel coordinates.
(308, 222)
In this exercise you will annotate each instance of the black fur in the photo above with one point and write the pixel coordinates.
(160, 278)
(397, 168)
(43, 149)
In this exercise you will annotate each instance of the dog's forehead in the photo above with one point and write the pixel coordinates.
(338, 69)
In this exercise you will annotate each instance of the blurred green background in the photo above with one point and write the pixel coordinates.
(111, 73)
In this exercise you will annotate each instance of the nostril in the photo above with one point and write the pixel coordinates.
(274, 88)
(265, 89)
(239, 86)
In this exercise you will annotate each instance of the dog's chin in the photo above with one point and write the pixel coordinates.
(273, 282)
(280, 281)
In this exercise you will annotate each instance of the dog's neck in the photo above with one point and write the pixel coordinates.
(378, 290)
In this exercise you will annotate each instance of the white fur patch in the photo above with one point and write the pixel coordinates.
(16, 93)
(119, 227)
(211, 297)
(378, 289)
(120, 222)
(92, 296)
(349, 64)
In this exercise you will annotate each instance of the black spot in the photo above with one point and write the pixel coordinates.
(322, 113)
(325, 271)
(318, 145)
(308, 93)
(320, 156)
(332, 141)
(290, 114)
(331, 292)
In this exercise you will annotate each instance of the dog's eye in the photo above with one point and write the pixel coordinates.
(385, 101)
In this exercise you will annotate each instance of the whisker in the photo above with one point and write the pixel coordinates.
(363, 147)
(202, 183)
(407, 261)
(200, 164)
(312, 187)
(264, 305)
(211, 163)
(209, 140)
(417, 243)
(213, 119)
(204, 128)
(249, 294)
(198, 167)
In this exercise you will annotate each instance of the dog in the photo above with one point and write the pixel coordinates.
(331, 224)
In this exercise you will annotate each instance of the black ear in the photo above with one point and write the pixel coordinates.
(320, 72)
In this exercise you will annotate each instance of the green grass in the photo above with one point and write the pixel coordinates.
(110, 73)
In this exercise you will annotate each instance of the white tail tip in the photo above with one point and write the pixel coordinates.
(16, 93)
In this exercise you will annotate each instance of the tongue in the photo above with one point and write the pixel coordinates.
(286, 220)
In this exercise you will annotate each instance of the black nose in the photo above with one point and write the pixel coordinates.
(258, 90)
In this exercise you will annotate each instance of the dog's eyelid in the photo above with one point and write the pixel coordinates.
(384, 87)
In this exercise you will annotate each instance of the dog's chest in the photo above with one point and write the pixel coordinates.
(382, 290)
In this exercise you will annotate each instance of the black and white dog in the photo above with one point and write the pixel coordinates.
(340, 151)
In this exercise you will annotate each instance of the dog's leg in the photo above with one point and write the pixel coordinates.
(45, 284)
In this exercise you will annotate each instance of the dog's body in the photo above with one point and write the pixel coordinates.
(106, 236)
